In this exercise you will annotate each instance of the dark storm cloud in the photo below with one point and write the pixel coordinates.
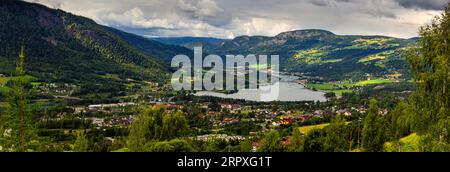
(376, 7)
(415, 4)
(424, 4)
(322, 3)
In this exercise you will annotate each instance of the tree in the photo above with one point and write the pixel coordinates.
(175, 145)
(330, 95)
(216, 145)
(430, 68)
(399, 121)
(314, 141)
(81, 143)
(372, 132)
(335, 140)
(138, 132)
(159, 147)
(17, 122)
(296, 143)
(246, 146)
(154, 124)
(270, 142)
(181, 145)
(174, 125)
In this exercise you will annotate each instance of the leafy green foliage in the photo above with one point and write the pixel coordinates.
(336, 133)
(154, 124)
(81, 143)
(337, 136)
(270, 143)
(430, 68)
(296, 143)
(175, 145)
(373, 136)
(400, 121)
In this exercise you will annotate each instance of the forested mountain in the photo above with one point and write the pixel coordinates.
(64, 48)
(322, 53)
(162, 51)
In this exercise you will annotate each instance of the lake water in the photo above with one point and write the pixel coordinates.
(288, 91)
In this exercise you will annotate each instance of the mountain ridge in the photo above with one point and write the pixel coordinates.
(322, 53)
(164, 52)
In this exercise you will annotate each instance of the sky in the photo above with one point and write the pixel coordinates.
(232, 18)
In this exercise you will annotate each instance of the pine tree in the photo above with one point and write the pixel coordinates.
(17, 124)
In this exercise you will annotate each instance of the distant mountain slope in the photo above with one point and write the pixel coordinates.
(322, 53)
(188, 41)
(61, 47)
(164, 52)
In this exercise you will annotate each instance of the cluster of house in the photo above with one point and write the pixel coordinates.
(276, 118)
(233, 107)
(290, 117)
(228, 115)
(123, 121)
(226, 137)
(107, 108)
(60, 89)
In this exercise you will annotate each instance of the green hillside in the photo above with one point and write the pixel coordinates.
(64, 48)
(161, 51)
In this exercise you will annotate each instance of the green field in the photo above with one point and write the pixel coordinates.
(246, 112)
(324, 86)
(371, 82)
(307, 129)
(4, 80)
(340, 92)
(406, 144)
(314, 56)
(372, 58)
(330, 87)
(344, 86)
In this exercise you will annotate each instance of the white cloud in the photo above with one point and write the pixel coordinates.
(262, 26)
(203, 8)
(136, 18)
(230, 18)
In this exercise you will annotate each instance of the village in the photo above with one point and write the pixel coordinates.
(218, 119)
